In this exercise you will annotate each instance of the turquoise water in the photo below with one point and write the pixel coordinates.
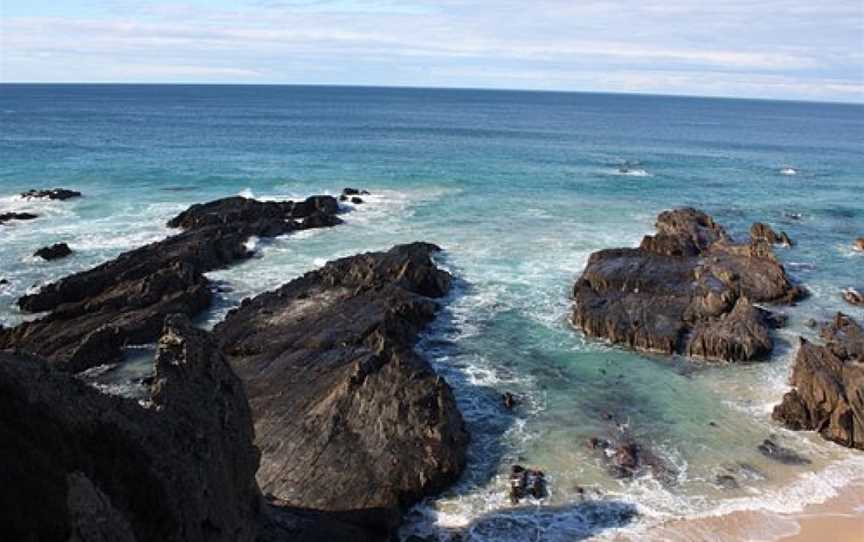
(518, 188)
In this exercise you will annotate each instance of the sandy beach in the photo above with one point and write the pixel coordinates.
(840, 519)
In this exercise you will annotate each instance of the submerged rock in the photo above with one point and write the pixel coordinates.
(95, 313)
(53, 252)
(828, 385)
(340, 397)
(54, 193)
(689, 289)
(6, 217)
(772, 450)
(509, 400)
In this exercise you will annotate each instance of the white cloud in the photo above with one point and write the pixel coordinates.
(782, 48)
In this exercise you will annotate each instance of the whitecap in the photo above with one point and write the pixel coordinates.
(789, 171)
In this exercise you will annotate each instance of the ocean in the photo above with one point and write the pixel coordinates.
(519, 188)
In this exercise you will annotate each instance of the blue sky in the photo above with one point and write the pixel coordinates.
(791, 49)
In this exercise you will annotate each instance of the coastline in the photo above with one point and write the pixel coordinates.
(841, 515)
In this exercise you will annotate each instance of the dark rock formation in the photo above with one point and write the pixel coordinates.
(772, 450)
(55, 193)
(53, 252)
(349, 418)
(726, 481)
(6, 217)
(763, 232)
(124, 301)
(354, 192)
(509, 400)
(179, 466)
(81, 465)
(853, 296)
(689, 289)
(828, 394)
(526, 482)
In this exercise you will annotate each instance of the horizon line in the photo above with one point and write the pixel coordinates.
(416, 87)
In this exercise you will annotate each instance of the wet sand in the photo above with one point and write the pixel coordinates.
(840, 519)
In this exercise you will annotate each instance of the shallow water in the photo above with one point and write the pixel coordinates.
(518, 188)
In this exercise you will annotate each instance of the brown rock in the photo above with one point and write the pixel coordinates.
(828, 380)
(853, 296)
(688, 289)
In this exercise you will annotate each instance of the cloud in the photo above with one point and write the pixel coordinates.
(787, 49)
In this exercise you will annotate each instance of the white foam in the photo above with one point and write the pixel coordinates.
(788, 171)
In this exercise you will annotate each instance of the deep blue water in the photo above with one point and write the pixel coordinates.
(519, 188)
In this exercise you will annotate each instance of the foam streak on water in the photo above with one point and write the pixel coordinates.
(519, 189)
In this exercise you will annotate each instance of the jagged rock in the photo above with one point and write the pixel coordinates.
(525, 482)
(853, 296)
(509, 400)
(55, 193)
(81, 465)
(772, 450)
(340, 398)
(828, 381)
(763, 232)
(53, 252)
(689, 289)
(6, 217)
(95, 313)
(354, 192)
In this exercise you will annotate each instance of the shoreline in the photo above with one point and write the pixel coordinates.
(838, 519)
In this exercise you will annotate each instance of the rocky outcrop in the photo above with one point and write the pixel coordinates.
(179, 466)
(353, 195)
(763, 232)
(82, 465)
(828, 381)
(853, 296)
(349, 418)
(53, 252)
(54, 193)
(7, 217)
(95, 313)
(689, 289)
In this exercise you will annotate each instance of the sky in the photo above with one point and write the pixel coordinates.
(790, 49)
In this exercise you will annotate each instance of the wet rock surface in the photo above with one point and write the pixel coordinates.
(772, 450)
(526, 483)
(853, 296)
(53, 252)
(689, 289)
(828, 385)
(8, 217)
(54, 193)
(95, 313)
(340, 398)
(859, 244)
